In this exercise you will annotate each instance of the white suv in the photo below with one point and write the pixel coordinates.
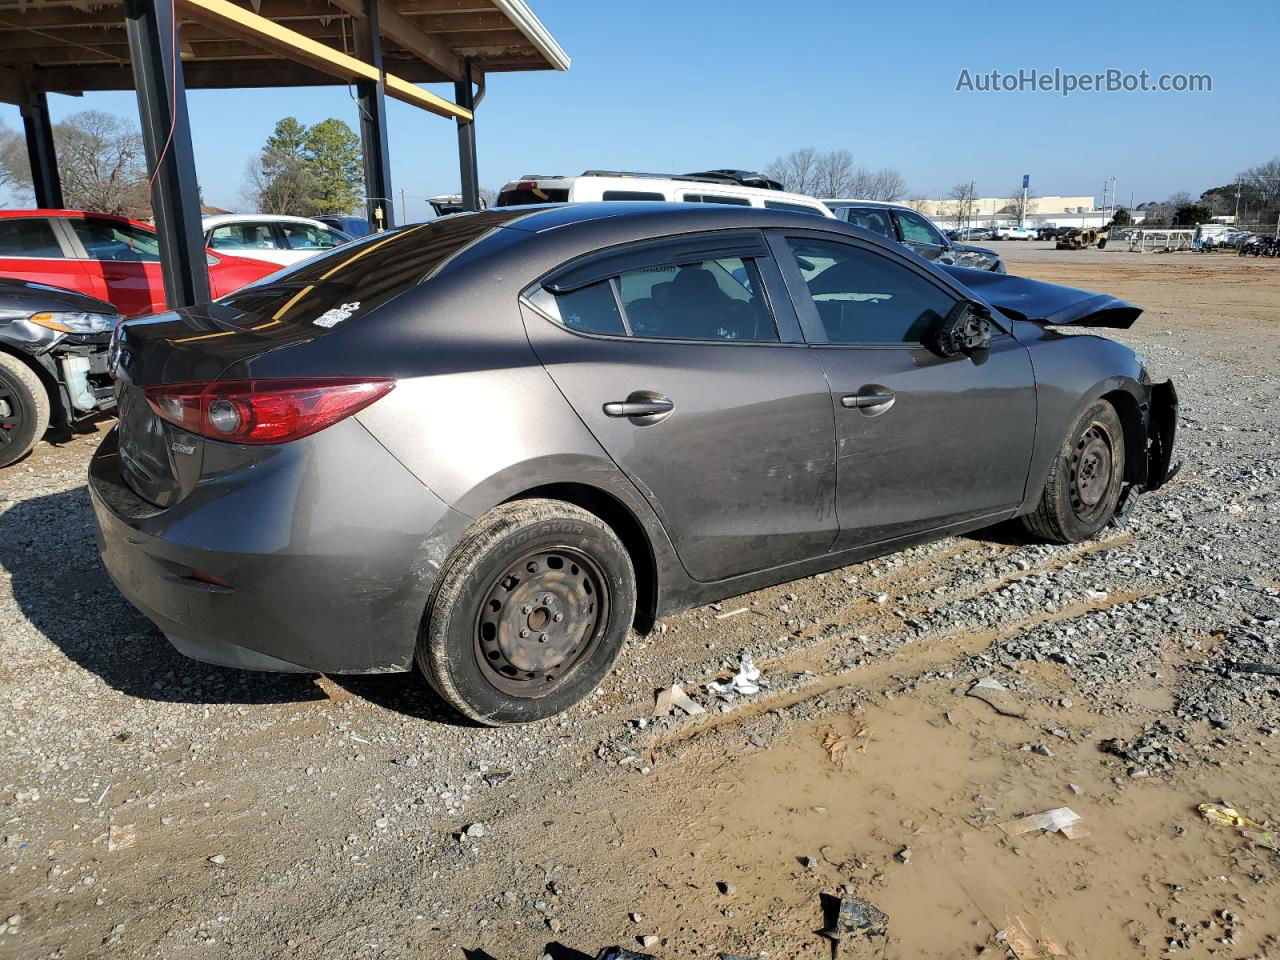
(1011, 231)
(737, 187)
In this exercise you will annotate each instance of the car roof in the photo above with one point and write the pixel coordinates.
(219, 219)
(72, 214)
(641, 219)
(639, 182)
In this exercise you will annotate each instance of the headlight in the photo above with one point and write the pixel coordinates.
(76, 322)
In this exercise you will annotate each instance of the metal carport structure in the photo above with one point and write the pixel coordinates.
(160, 48)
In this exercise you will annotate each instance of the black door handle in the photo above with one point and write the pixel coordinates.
(862, 401)
(637, 408)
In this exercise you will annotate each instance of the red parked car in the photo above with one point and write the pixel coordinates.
(111, 258)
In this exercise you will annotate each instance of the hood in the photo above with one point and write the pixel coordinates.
(1047, 303)
(24, 297)
(970, 248)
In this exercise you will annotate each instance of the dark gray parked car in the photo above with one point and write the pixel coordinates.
(493, 443)
(917, 232)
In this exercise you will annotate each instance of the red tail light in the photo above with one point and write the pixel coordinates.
(263, 411)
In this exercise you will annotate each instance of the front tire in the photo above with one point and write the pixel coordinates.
(1084, 483)
(531, 609)
(24, 409)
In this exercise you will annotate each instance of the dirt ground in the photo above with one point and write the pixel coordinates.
(156, 807)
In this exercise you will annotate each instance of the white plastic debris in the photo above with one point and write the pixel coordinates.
(744, 681)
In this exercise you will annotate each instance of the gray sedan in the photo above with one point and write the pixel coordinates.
(492, 444)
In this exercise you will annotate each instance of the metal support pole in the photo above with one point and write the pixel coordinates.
(464, 95)
(371, 101)
(166, 133)
(41, 153)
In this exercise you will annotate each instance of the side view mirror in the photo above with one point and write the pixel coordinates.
(965, 329)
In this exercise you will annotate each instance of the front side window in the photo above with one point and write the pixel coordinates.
(305, 236)
(28, 238)
(916, 229)
(632, 195)
(863, 297)
(714, 299)
(243, 236)
(116, 240)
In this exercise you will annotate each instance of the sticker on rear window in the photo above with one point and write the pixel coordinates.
(333, 317)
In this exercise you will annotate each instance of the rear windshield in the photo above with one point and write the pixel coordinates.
(523, 196)
(360, 276)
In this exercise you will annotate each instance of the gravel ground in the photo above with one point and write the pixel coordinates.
(154, 806)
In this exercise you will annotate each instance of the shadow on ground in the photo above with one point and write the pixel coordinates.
(48, 547)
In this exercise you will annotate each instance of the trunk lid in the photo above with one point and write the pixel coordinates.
(1047, 303)
(161, 462)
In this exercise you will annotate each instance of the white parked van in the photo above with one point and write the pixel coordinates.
(737, 187)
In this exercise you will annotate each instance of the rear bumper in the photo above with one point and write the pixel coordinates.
(321, 560)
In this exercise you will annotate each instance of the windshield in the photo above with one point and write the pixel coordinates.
(357, 277)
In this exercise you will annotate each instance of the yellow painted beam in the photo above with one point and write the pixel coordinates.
(414, 95)
(239, 22)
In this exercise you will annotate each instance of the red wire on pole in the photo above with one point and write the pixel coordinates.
(173, 96)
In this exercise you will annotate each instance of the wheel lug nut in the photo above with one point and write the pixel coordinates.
(548, 599)
(526, 609)
(544, 638)
(558, 617)
(524, 631)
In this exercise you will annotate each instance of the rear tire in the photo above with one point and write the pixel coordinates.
(531, 609)
(1084, 483)
(24, 409)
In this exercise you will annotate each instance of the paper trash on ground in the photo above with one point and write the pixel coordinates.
(1062, 820)
(674, 698)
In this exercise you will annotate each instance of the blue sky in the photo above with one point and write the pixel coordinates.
(686, 86)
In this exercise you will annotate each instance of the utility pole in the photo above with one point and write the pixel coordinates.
(404, 210)
(1022, 213)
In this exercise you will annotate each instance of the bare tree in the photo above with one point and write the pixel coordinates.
(14, 167)
(103, 164)
(833, 173)
(1015, 208)
(795, 171)
(888, 185)
(962, 203)
(100, 159)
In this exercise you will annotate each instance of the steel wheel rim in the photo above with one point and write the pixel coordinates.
(1091, 465)
(539, 619)
(12, 414)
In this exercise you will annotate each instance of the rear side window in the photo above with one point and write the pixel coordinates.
(242, 236)
(116, 240)
(523, 196)
(713, 299)
(352, 280)
(863, 297)
(28, 238)
(715, 198)
(632, 195)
